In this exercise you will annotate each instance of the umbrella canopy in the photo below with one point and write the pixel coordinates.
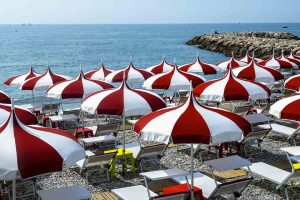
(4, 98)
(132, 75)
(294, 56)
(164, 66)
(200, 67)
(293, 62)
(98, 74)
(254, 72)
(173, 80)
(19, 79)
(248, 59)
(230, 88)
(77, 88)
(24, 115)
(232, 62)
(287, 108)
(30, 151)
(192, 123)
(122, 101)
(43, 81)
(293, 83)
(276, 63)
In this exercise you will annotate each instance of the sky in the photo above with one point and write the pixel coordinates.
(148, 11)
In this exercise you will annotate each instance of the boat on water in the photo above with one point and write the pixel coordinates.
(284, 26)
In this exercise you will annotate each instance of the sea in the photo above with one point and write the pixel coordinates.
(67, 47)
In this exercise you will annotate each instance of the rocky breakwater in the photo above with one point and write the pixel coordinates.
(238, 42)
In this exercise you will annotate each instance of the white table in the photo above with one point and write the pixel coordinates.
(138, 192)
(73, 192)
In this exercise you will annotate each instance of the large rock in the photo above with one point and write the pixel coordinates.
(237, 42)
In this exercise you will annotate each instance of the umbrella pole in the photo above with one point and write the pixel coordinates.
(192, 171)
(123, 165)
(14, 189)
(32, 97)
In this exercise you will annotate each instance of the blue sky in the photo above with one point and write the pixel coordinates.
(148, 11)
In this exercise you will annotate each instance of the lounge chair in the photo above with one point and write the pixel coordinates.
(104, 196)
(211, 187)
(289, 132)
(178, 196)
(142, 154)
(107, 129)
(96, 160)
(69, 192)
(276, 175)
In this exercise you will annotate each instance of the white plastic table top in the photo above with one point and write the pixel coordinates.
(104, 138)
(228, 163)
(295, 151)
(134, 192)
(57, 118)
(73, 192)
(164, 174)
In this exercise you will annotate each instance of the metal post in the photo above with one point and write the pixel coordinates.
(14, 189)
(123, 143)
(32, 97)
(192, 172)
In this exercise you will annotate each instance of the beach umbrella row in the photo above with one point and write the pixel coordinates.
(230, 88)
(76, 88)
(161, 67)
(257, 73)
(98, 74)
(231, 63)
(200, 67)
(173, 80)
(276, 63)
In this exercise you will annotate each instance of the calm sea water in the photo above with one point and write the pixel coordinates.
(66, 47)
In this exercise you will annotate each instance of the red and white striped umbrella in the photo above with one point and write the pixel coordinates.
(43, 81)
(32, 150)
(248, 59)
(200, 67)
(4, 98)
(160, 68)
(230, 88)
(98, 74)
(132, 75)
(192, 123)
(276, 63)
(24, 115)
(293, 83)
(287, 108)
(232, 62)
(173, 80)
(77, 88)
(254, 72)
(295, 63)
(294, 56)
(19, 79)
(122, 101)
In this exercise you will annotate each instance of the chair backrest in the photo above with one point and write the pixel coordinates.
(152, 150)
(177, 196)
(106, 129)
(74, 112)
(256, 135)
(99, 159)
(296, 133)
(231, 187)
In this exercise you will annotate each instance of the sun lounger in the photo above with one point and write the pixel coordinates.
(104, 196)
(213, 188)
(99, 139)
(278, 176)
(139, 192)
(96, 160)
(142, 154)
(73, 192)
(290, 133)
